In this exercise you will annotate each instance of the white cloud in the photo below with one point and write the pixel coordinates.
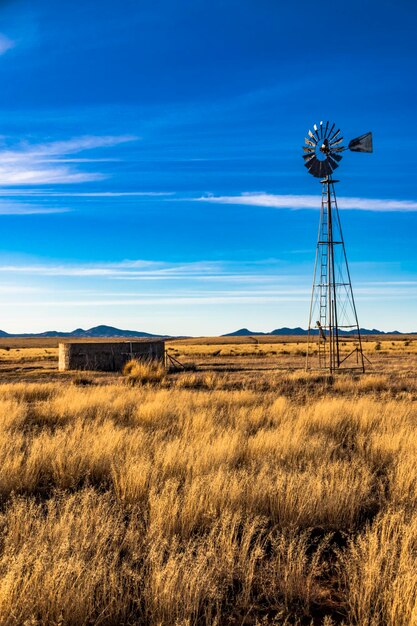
(278, 201)
(5, 44)
(27, 164)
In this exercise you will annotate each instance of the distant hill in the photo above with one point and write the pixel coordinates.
(298, 331)
(242, 332)
(109, 331)
(289, 331)
(96, 331)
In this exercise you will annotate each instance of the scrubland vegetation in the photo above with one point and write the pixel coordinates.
(187, 500)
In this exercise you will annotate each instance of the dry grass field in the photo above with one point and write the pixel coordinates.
(241, 491)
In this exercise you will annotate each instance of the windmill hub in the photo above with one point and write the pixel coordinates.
(324, 148)
(332, 303)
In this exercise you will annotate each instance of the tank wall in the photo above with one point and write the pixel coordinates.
(107, 357)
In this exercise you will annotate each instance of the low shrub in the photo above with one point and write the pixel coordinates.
(81, 380)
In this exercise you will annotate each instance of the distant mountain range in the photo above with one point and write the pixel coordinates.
(244, 332)
(97, 331)
(111, 331)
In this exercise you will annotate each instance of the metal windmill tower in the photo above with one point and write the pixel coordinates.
(333, 319)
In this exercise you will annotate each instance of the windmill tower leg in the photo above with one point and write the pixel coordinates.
(319, 309)
(348, 287)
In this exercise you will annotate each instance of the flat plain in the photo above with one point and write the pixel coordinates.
(238, 491)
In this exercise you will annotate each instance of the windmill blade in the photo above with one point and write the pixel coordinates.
(332, 163)
(321, 130)
(310, 143)
(313, 166)
(336, 143)
(307, 149)
(331, 130)
(310, 134)
(339, 149)
(309, 164)
(334, 135)
(362, 143)
(316, 132)
(307, 157)
(315, 169)
(327, 126)
(334, 156)
(330, 167)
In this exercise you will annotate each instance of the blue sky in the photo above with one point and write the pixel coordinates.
(150, 161)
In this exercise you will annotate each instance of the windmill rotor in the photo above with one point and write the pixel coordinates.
(323, 147)
(321, 157)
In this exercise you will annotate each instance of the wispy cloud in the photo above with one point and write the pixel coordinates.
(182, 286)
(210, 297)
(19, 289)
(174, 300)
(222, 281)
(151, 270)
(83, 194)
(277, 201)
(68, 146)
(19, 208)
(29, 173)
(5, 44)
(29, 164)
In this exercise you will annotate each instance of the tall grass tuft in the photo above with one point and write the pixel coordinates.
(144, 372)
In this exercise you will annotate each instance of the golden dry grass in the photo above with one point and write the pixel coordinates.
(187, 500)
(286, 348)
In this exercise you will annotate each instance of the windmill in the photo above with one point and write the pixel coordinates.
(334, 339)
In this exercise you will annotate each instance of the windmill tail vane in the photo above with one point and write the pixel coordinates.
(334, 338)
